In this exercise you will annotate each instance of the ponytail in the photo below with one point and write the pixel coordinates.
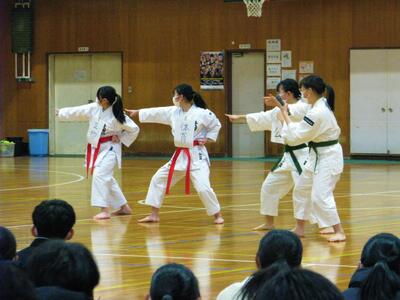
(318, 85)
(330, 97)
(381, 255)
(257, 280)
(115, 101)
(199, 101)
(190, 95)
(118, 109)
(381, 283)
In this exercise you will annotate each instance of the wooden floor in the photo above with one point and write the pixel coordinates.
(127, 253)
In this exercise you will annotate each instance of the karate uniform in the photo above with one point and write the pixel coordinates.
(187, 127)
(285, 174)
(313, 191)
(105, 189)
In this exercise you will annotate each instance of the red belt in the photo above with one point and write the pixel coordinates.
(96, 152)
(172, 168)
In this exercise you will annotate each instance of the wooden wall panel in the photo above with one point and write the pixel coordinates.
(161, 41)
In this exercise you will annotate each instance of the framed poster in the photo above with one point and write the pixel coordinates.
(306, 67)
(273, 70)
(291, 74)
(286, 59)
(274, 57)
(272, 82)
(212, 70)
(273, 45)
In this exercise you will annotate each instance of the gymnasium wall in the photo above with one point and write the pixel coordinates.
(161, 41)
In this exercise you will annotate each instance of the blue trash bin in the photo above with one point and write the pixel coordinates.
(38, 142)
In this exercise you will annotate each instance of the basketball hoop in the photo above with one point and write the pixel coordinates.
(254, 7)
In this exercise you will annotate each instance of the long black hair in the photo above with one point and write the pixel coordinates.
(278, 250)
(382, 254)
(115, 100)
(290, 85)
(190, 95)
(317, 84)
(174, 281)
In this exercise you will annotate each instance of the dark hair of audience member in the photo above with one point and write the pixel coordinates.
(298, 284)
(382, 254)
(278, 250)
(14, 283)
(8, 244)
(53, 219)
(174, 281)
(67, 265)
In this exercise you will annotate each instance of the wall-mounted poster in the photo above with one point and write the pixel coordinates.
(273, 45)
(274, 57)
(286, 59)
(272, 82)
(212, 70)
(306, 67)
(273, 70)
(288, 74)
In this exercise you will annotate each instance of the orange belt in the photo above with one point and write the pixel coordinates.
(96, 153)
(172, 168)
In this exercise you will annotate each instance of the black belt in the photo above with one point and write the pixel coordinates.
(290, 150)
(314, 146)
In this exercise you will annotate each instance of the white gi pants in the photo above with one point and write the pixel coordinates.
(313, 195)
(277, 184)
(105, 189)
(201, 182)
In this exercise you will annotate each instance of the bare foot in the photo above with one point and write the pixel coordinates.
(264, 227)
(102, 216)
(337, 237)
(298, 232)
(149, 219)
(327, 230)
(123, 211)
(219, 220)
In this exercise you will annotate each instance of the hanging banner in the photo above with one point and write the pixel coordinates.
(212, 70)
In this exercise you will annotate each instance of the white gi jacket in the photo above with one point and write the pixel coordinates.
(92, 112)
(196, 123)
(268, 120)
(319, 125)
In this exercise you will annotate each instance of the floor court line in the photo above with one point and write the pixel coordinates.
(212, 259)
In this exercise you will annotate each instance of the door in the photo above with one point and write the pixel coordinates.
(247, 96)
(74, 80)
(393, 103)
(368, 102)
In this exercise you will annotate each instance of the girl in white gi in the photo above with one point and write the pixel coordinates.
(108, 127)
(313, 191)
(193, 125)
(285, 173)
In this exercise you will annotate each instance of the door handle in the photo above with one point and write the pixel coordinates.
(383, 109)
(390, 109)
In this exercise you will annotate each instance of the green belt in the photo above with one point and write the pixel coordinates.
(314, 146)
(290, 149)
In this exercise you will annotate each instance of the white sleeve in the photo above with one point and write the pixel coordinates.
(302, 132)
(77, 113)
(130, 131)
(161, 115)
(298, 110)
(262, 121)
(212, 125)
